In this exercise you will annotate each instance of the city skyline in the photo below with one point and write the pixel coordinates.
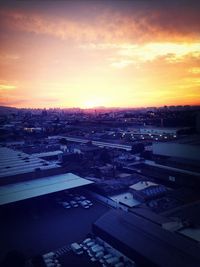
(99, 53)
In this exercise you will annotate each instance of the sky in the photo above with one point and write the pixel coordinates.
(120, 53)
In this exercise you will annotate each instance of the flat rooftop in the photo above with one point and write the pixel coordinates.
(142, 185)
(33, 188)
(126, 199)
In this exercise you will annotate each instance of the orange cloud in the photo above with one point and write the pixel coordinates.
(7, 87)
(111, 56)
(195, 70)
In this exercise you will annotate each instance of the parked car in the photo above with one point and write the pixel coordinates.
(87, 240)
(84, 204)
(89, 202)
(74, 203)
(66, 205)
(76, 248)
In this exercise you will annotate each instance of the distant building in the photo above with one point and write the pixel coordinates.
(33, 129)
(153, 130)
(159, 131)
(198, 122)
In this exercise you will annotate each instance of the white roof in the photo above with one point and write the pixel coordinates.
(142, 185)
(126, 198)
(33, 188)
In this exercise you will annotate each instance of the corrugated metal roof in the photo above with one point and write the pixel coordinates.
(147, 240)
(33, 188)
(13, 162)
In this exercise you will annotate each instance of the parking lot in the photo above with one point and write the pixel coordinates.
(40, 225)
(92, 251)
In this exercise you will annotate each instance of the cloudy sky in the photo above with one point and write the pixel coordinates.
(99, 53)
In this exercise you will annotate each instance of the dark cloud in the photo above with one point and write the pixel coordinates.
(135, 21)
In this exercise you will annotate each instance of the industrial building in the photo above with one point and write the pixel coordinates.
(146, 242)
(177, 162)
(168, 174)
(38, 187)
(16, 166)
(159, 131)
(24, 176)
(153, 130)
(191, 152)
(147, 190)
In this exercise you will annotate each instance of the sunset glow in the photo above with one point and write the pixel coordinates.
(99, 53)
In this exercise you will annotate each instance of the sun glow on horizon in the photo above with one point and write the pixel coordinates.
(92, 55)
(93, 103)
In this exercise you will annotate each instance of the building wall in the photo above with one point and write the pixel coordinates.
(122, 247)
(30, 176)
(191, 152)
(171, 176)
(198, 123)
(108, 201)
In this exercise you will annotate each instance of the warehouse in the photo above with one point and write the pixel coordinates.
(17, 166)
(34, 188)
(24, 176)
(169, 174)
(146, 242)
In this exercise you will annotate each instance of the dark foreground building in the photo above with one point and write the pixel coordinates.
(145, 242)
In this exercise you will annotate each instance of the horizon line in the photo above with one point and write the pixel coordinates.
(101, 107)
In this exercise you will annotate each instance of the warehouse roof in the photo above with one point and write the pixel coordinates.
(48, 153)
(142, 239)
(33, 188)
(13, 162)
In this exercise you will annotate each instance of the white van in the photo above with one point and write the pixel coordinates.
(48, 255)
(95, 249)
(99, 255)
(76, 248)
(90, 244)
(87, 240)
(112, 261)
